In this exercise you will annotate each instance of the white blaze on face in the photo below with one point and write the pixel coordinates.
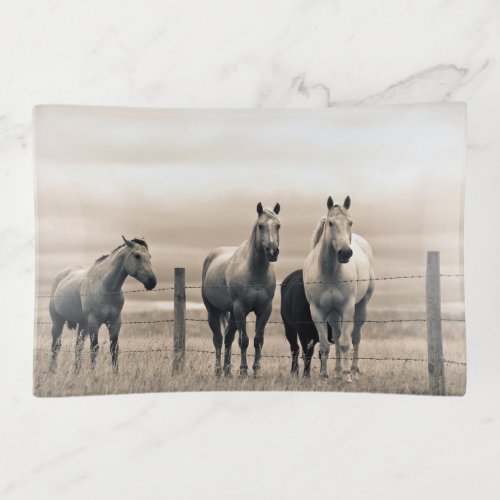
(273, 238)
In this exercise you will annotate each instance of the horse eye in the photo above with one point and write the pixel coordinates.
(137, 256)
(261, 226)
(330, 223)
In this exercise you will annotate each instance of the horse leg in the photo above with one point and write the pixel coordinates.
(80, 339)
(344, 343)
(324, 346)
(214, 318)
(307, 354)
(57, 327)
(114, 332)
(93, 329)
(291, 335)
(228, 342)
(262, 317)
(359, 320)
(240, 318)
(336, 333)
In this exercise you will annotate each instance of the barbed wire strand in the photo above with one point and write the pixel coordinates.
(198, 286)
(378, 321)
(204, 320)
(122, 323)
(271, 356)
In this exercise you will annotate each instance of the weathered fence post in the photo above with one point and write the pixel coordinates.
(179, 319)
(434, 337)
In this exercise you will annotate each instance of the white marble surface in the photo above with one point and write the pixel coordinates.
(247, 54)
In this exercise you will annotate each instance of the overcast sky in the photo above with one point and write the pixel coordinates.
(188, 181)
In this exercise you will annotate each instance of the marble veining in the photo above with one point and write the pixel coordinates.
(302, 53)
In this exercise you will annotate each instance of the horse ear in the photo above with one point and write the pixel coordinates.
(127, 242)
(329, 203)
(347, 203)
(259, 208)
(277, 208)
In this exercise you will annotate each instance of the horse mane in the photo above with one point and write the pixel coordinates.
(318, 231)
(270, 213)
(139, 241)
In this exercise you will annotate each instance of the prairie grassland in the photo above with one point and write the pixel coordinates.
(146, 359)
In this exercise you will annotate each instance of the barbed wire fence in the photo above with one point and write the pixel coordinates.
(434, 320)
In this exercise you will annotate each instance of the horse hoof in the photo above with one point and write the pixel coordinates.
(348, 378)
(243, 374)
(324, 376)
(218, 372)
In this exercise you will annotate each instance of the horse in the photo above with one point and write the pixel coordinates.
(338, 284)
(240, 280)
(296, 316)
(86, 298)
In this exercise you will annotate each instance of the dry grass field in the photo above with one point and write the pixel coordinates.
(146, 359)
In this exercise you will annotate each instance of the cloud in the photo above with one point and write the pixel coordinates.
(190, 181)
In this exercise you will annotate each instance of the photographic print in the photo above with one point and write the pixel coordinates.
(249, 250)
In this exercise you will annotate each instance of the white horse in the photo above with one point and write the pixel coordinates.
(339, 282)
(237, 281)
(89, 297)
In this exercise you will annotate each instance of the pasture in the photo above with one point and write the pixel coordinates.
(146, 359)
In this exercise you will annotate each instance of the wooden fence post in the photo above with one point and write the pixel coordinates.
(179, 319)
(434, 337)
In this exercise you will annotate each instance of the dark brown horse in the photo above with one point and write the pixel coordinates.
(299, 325)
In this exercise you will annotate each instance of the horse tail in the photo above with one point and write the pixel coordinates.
(206, 264)
(53, 291)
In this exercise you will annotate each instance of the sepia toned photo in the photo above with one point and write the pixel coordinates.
(249, 250)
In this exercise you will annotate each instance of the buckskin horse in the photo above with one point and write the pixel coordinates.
(86, 298)
(240, 280)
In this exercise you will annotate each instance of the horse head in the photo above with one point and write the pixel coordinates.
(138, 262)
(338, 229)
(267, 231)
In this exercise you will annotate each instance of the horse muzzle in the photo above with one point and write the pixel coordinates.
(272, 254)
(344, 255)
(150, 283)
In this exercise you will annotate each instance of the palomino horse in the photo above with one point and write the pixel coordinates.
(338, 283)
(89, 297)
(237, 281)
